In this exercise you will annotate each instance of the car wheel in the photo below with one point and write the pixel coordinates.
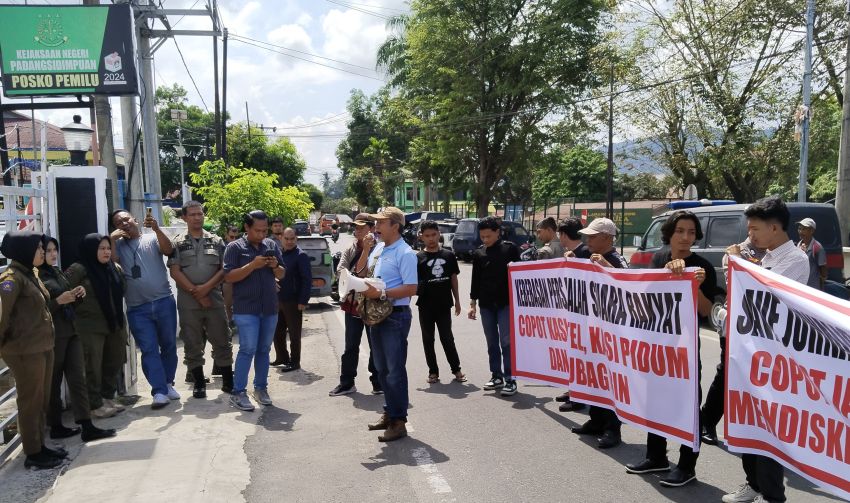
(716, 309)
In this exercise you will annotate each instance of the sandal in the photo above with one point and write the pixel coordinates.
(432, 378)
(460, 376)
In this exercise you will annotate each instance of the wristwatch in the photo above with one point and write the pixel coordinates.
(383, 295)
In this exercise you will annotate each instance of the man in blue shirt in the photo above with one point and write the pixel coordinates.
(395, 263)
(294, 295)
(253, 264)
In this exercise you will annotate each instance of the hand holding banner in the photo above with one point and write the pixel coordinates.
(620, 339)
(787, 375)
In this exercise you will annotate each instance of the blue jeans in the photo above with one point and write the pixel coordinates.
(154, 327)
(389, 350)
(497, 330)
(256, 334)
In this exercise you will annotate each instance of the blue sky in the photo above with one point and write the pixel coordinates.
(291, 90)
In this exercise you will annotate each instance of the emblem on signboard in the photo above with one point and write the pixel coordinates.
(49, 31)
(112, 62)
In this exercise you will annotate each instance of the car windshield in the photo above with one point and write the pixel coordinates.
(329, 217)
(447, 228)
(467, 227)
(653, 235)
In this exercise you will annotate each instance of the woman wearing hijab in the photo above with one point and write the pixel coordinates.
(68, 360)
(100, 321)
(26, 342)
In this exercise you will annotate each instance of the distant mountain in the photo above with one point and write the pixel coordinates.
(630, 157)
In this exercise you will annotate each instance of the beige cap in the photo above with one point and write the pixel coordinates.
(600, 225)
(364, 219)
(390, 213)
(808, 222)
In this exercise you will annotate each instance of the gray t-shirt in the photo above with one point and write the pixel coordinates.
(153, 282)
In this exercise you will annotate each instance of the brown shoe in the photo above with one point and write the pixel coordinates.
(395, 431)
(382, 423)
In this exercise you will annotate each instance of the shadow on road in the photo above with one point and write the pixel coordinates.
(277, 419)
(452, 389)
(407, 451)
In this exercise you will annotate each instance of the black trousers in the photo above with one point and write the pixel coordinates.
(68, 362)
(442, 319)
(606, 419)
(351, 356)
(289, 321)
(712, 409)
(765, 476)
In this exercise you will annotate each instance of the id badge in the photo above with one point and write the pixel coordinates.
(136, 272)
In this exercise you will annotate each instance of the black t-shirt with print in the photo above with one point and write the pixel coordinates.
(435, 278)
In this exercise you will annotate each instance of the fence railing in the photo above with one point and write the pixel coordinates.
(8, 423)
(18, 205)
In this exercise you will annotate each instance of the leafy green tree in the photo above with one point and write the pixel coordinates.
(367, 188)
(578, 172)
(316, 195)
(728, 85)
(278, 157)
(346, 205)
(196, 131)
(481, 76)
(229, 192)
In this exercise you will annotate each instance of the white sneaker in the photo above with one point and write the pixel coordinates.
(160, 401)
(172, 393)
(744, 494)
(759, 499)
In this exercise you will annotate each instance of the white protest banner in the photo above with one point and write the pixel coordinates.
(621, 339)
(788, 375)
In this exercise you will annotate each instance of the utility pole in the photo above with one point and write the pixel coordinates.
(179, 116)
(219, 133)
(248, 126)
(103, 125)
(153, 185)
(842, 190)
(134, 201)
(609, 196)
(807, 103)
(224, 97)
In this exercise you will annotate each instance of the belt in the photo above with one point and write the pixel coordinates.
(400, 309)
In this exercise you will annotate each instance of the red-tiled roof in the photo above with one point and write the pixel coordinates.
(55, 139)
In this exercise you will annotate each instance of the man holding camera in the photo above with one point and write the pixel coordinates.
(151, 310)
(253, 264)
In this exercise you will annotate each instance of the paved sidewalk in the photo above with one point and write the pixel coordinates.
(191, 451)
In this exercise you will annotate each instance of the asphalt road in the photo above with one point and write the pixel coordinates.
(465, 444)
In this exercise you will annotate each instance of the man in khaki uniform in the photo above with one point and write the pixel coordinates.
(196, 266)
(547, 233)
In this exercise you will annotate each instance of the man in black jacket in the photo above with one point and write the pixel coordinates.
(490, 290)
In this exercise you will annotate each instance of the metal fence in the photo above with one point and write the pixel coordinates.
(19, 207)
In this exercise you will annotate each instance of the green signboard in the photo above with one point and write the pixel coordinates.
(627, 220)
(67, 50)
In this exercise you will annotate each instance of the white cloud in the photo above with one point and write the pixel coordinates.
(304, 20)
(353, 37)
